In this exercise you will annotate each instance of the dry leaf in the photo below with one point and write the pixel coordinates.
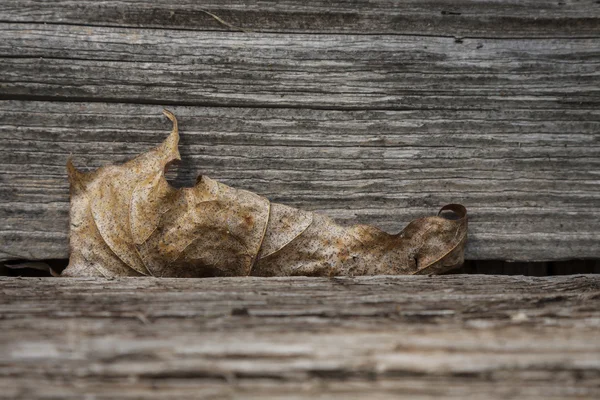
(127, 220)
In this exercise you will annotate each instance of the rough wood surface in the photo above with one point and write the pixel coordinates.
(379, 338)
(457, 18)
(531, 189)
(371, 111)
(164, 66)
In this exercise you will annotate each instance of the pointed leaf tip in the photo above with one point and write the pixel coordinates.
(73, 173)
(171, 144)
(170, 115)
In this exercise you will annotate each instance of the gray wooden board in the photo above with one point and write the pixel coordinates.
(378, 128)
(531, 189)
(460, 336)
(297, 70)
(458, 18)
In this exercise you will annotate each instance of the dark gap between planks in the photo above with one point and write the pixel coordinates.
(486, 267)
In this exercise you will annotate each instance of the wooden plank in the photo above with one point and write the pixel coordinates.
(291, 70)
(508, 127)
(459, 18)
(377, 337)
(528, 177)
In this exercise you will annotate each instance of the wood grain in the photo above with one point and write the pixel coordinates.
(531, 188)
(344, 112)
(345, 72)
(371, 111)
(297, 338)
(457, 18)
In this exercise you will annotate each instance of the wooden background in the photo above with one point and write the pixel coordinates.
(371, 111)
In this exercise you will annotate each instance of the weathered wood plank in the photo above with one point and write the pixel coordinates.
(291, 70)
(378, 338)
(459, 18)
(528, 177)
(512, 130)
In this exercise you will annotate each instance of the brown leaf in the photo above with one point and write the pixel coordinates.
(127, 220)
